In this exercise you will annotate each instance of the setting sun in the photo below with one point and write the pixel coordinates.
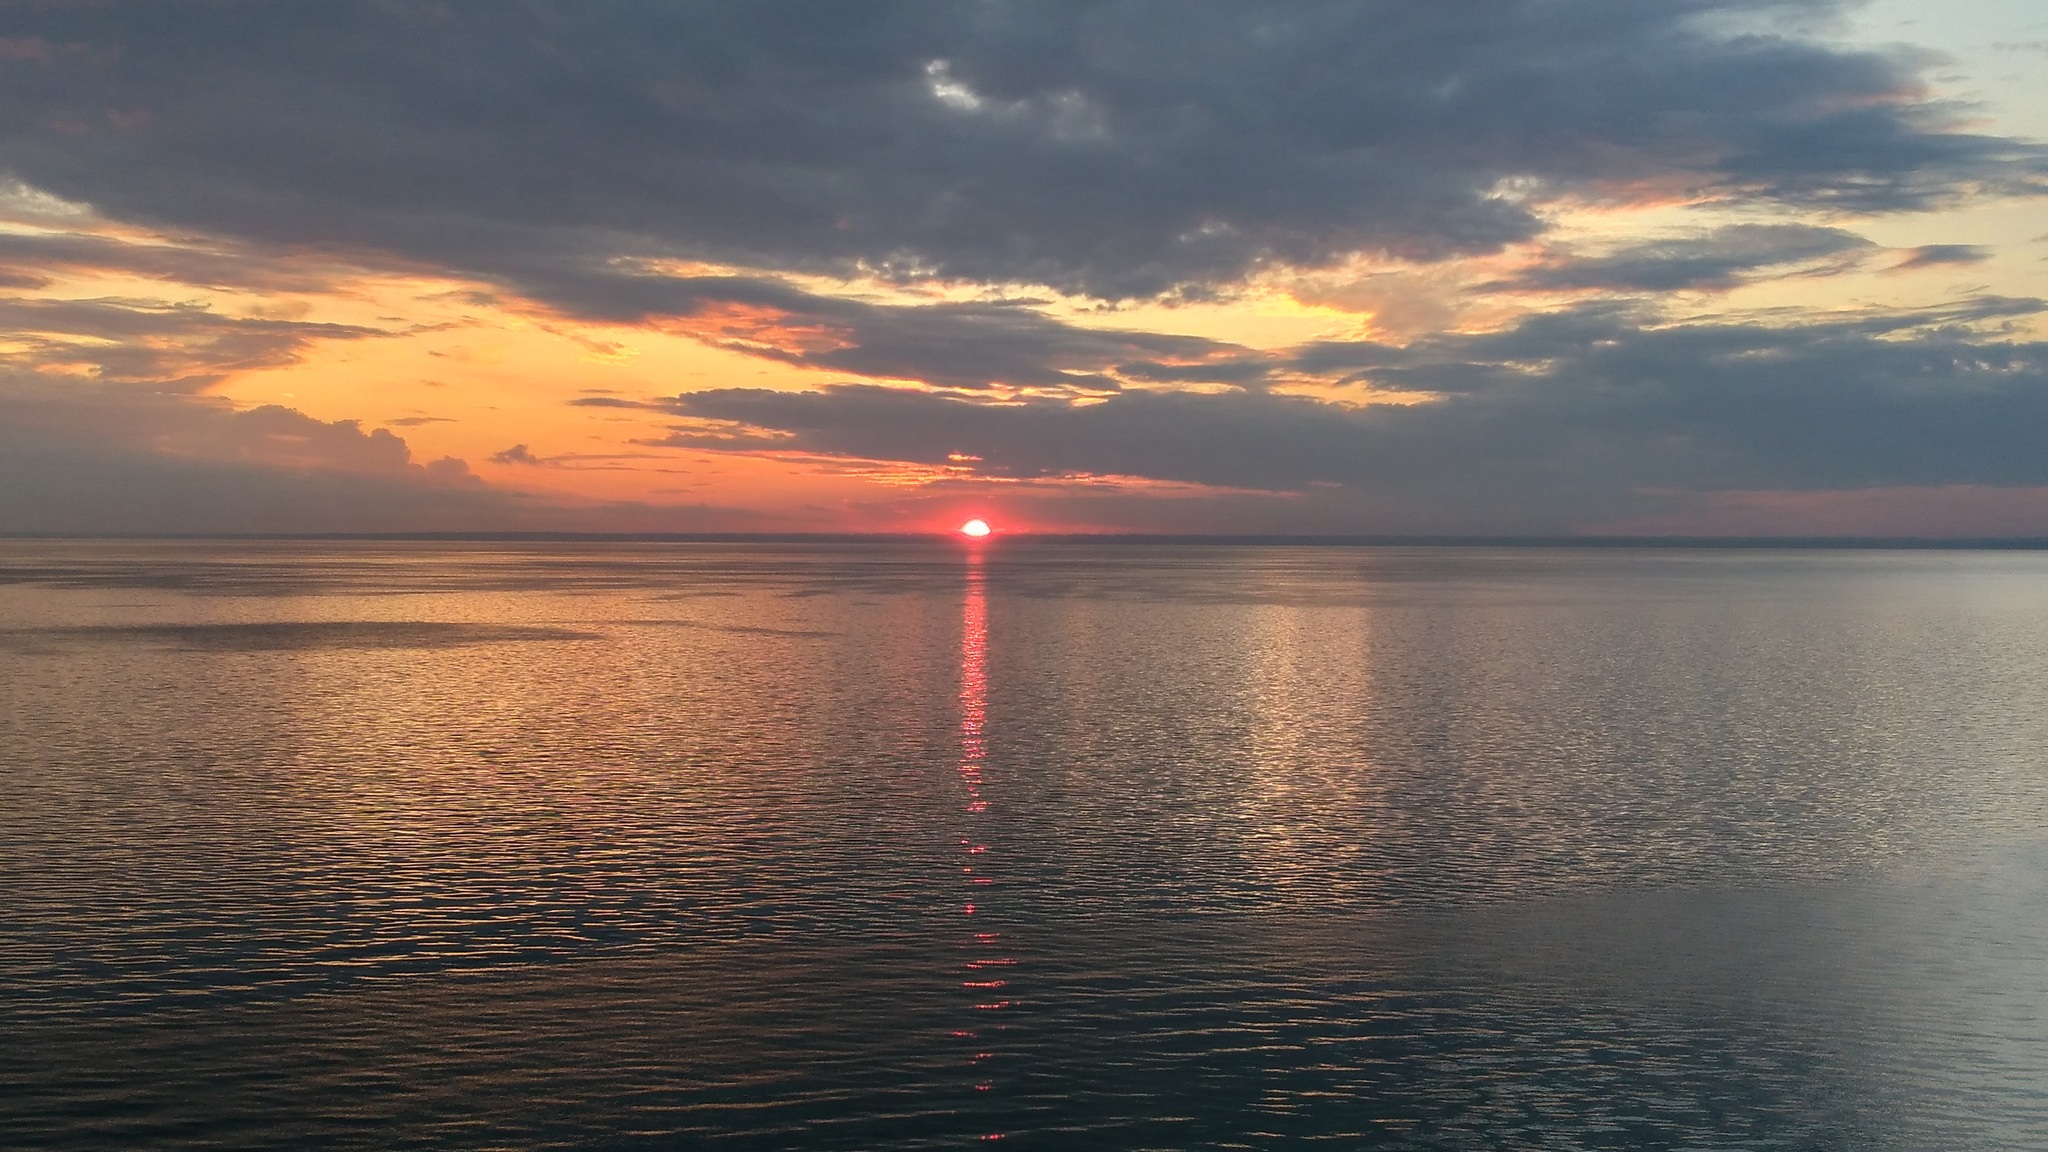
(975, 528)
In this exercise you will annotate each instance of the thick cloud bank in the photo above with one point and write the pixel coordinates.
(127, 461)
(1114, 148)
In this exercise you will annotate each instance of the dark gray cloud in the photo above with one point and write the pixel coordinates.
(200, 266)
(973, 344)
(126, 460)
(129, 460)
(1558, 422)
(1114, 147)
(1718, 260)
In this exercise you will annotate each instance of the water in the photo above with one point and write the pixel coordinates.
(865, 846)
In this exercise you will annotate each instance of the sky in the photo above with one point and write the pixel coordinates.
(1463, 267)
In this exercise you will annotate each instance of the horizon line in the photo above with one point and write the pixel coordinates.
(1356, 540)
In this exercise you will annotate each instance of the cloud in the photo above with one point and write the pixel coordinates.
(1116, 147)
(129, 461)
(1714, 260)
(516, 454)
(1558, 422)
(136, 461)
(197, 263)
(976, 344)
(1931, 255)
(1956, 511)
(106, 424)
(168, 347)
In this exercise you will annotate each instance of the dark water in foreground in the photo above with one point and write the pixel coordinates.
(871, 846)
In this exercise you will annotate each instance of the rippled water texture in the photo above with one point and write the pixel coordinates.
(863, 846)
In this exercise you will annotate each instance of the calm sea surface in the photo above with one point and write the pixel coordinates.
(1079, 846)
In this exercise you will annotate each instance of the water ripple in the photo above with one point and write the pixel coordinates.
(562, 846)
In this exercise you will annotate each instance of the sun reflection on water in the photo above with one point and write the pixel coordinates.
(986, 969)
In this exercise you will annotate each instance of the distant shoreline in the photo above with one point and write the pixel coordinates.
(1870, 543)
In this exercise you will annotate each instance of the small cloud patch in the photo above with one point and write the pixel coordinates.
(1932, 255)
